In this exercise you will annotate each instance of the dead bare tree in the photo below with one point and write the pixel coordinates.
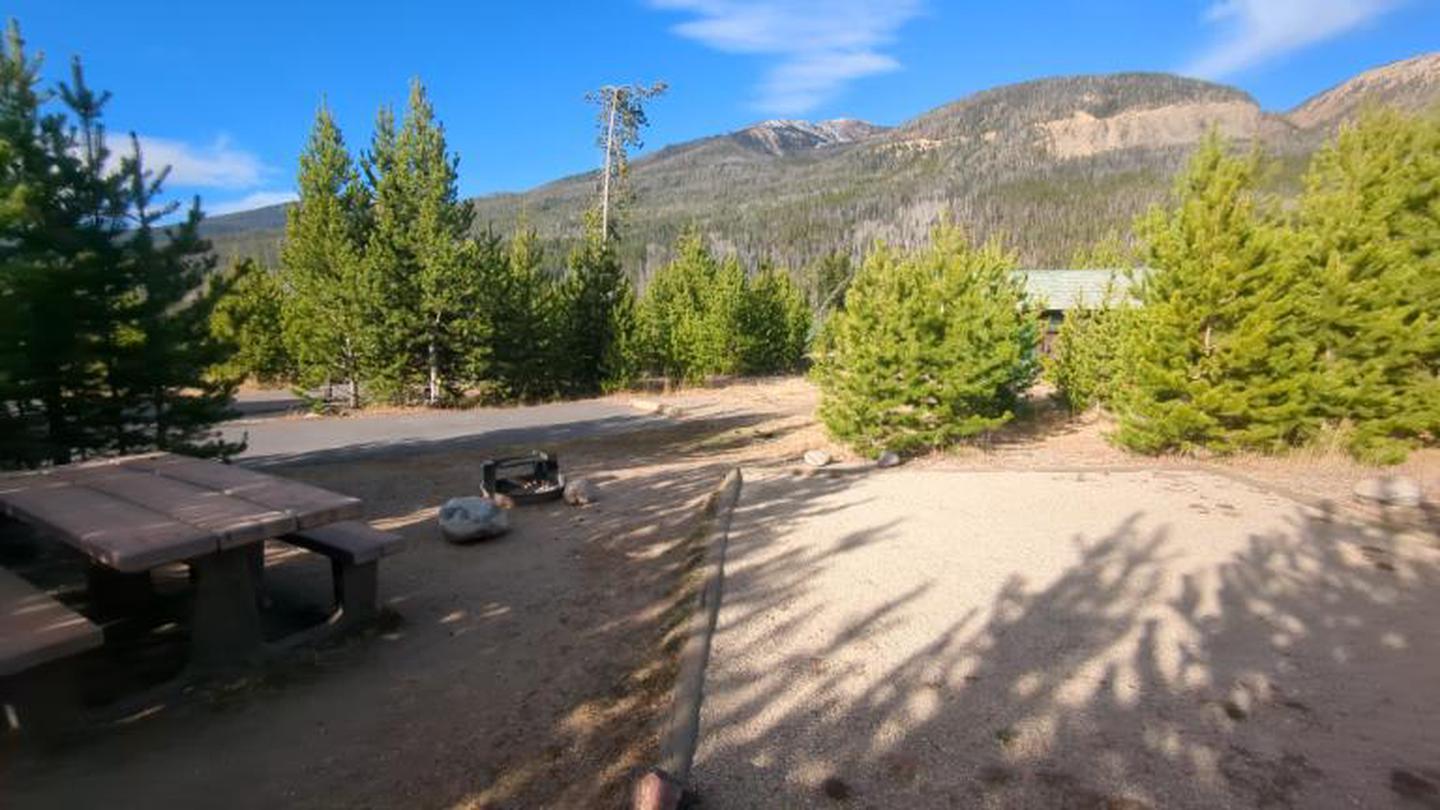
(619, 120)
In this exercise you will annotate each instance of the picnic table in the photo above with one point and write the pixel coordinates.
(135, 513)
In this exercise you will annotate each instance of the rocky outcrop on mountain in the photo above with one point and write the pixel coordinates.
(1083, 135)
(784, 137)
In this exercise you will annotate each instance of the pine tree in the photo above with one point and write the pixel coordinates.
(931, 348)
(484, 359)
(105, 338)
(1219, 357)
(420, 251)
(689, 313)
(619, 121)
(718, 344)
(598, 315)
(449, 287)
(333, 299)
(166, 347)
(1085, 360)
(250, 318)
(773, 325)
(523, 306)
(48, 290)
(1371, 219)
(389, 256)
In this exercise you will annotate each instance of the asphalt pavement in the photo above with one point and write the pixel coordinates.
(275, 437)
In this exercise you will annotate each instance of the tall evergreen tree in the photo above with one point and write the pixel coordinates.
(103, 336)
(598, 315)
(167, 348)
(619, 120)
(1371, 218)
(48, 289)
(1219, 357)
(388, 249)
(522, 303)
(334, 300)
(773, 325)
(420, 248)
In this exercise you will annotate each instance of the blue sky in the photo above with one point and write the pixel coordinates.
(225, 92)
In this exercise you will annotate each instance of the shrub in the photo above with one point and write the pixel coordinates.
(701, 316)
(677, 312)
(1085, 359)
(774, 324)
(931, 347)
(249, 319)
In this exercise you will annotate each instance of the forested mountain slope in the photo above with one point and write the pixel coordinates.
(1051, 165)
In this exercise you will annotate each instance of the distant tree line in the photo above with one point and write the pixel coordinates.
(383, 292)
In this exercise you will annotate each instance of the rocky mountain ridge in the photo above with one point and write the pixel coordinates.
(1049, 164)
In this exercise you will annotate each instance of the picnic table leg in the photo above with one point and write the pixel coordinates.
(257, 573)
(225, 633)
(356, 590)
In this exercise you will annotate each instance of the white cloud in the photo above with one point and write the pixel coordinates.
(1258, 30)
(256, 199)
(821, 44)
(219, 165)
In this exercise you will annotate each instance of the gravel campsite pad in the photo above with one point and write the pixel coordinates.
(1086, 639)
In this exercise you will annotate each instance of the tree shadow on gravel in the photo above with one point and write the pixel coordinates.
(1298, 672)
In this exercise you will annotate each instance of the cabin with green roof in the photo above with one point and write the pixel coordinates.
(1061, 290)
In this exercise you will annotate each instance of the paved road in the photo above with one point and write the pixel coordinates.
(277, 440)
(1157, 639)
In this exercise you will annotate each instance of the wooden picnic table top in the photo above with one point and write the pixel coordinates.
(137, 512)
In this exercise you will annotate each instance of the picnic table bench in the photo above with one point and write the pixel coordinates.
(36, 632)
(354, 549)
(132, 514)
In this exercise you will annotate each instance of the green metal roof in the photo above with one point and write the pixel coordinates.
(1066, 289)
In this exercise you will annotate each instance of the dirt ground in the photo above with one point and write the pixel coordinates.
(531, 671)
(1046, 437)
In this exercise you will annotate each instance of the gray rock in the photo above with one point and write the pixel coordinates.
(817, 458)
(580, 492)
(1391, 490)
(464, 520)
(887, 459)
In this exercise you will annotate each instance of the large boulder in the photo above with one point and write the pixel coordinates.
(1391, 490)
(580, 492)
(471, 518)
